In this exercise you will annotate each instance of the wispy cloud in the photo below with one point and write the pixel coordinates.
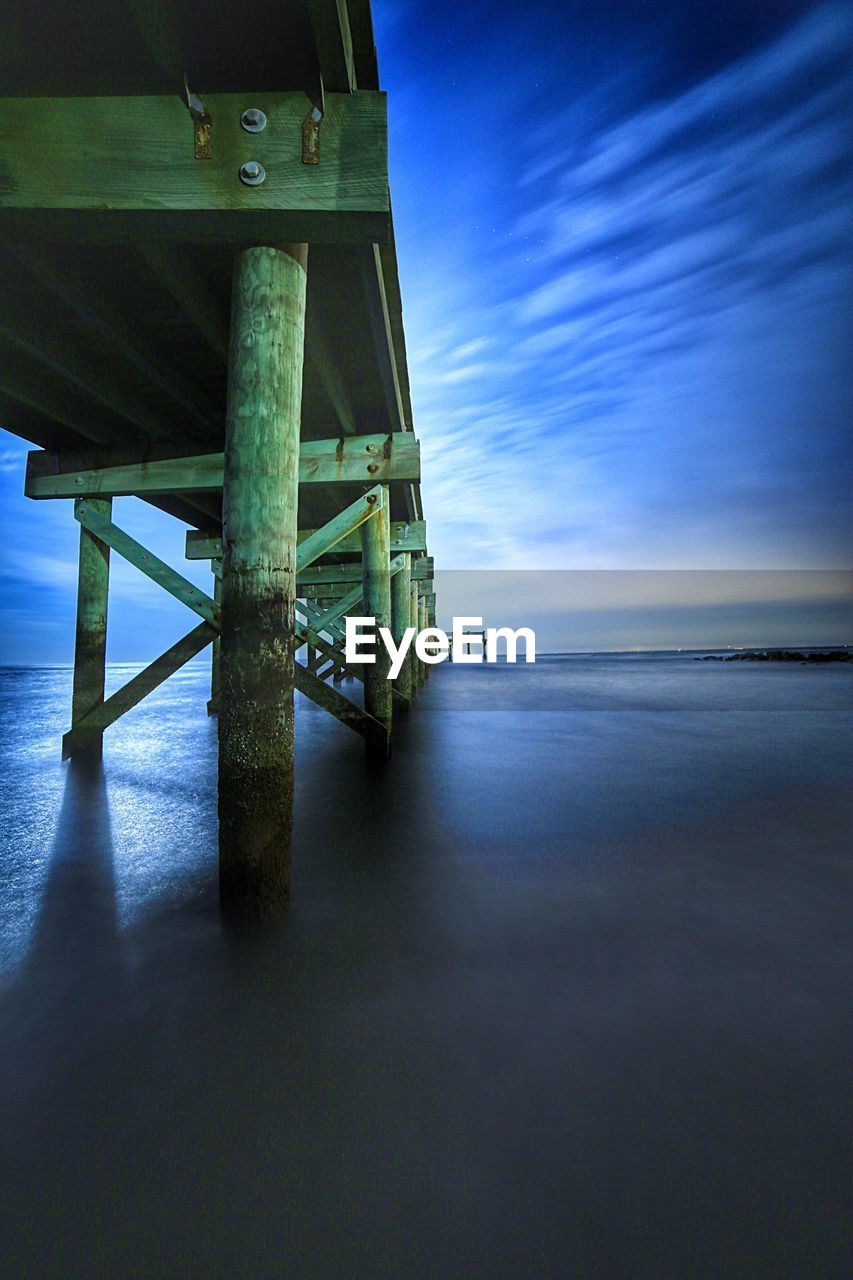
(645, 366)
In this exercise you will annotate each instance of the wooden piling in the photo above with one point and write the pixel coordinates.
(90, 648)
(422, 623)
(213, 703)
(376, 595)
(400, 613)
(259, 579)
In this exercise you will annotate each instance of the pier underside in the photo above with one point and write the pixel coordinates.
(201, 308)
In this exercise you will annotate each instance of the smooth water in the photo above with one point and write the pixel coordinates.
(560, 992)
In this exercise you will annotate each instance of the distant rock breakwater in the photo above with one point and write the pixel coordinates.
(781, 655)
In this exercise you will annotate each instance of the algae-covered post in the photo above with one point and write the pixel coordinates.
(376, 593)
(400, 588)
(259, 510)
(90, 647)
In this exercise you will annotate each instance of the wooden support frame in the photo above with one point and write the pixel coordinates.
(91, 715)
(335, 574)
(110, 169)
(373, 731)
(137, 688)
(339, 527)
(307, 635)
(405, 536)
(149, 564)
(375, 459)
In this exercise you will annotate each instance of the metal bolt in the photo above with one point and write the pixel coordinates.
(78, 480)
(373, 468)
(252, 173)
(253, 120)
(371, 448)
(371, 498)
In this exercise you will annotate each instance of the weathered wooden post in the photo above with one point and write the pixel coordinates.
(422, 622)
(259, 578)
(213, 703)
(414, 621)
(90, 647)
(400, 609)
(376, 582)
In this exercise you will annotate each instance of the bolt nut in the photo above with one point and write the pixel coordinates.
(371, 448)
(78, 480)
(253, 120)
(371, 498)
(252, 173)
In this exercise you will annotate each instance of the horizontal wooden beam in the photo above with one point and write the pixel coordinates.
(356, 460)
(405, 536)
(101, 717)
(109, 169)
(422, 570)
(149, 564)
(346, 597)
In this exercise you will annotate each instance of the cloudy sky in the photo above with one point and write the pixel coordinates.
(623, 232)
(622, 238)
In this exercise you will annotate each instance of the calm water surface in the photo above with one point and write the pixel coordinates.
(560, 994)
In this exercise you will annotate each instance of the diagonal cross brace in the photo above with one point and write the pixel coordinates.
(107, 712)
(346, 522)
(149, 564)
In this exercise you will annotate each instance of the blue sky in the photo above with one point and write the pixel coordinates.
(624, 236)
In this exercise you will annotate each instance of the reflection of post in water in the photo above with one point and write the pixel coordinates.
(76, 922)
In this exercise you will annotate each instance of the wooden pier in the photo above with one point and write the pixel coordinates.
(201, 308)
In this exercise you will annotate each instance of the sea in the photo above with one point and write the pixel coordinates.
(562, 991)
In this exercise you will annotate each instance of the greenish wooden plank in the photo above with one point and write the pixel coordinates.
(334, 574)
(359, 459)
(404, 537)
(346, 522)
(149, 564)
(372, 730)
(105, 714)
(369, 459)
(109, 168)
